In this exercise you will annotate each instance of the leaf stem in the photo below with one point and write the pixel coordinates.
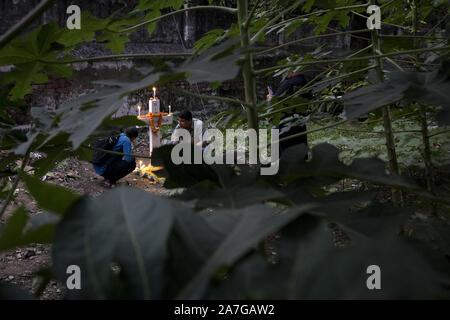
(310, 38)
(352, 59)
(247, 67)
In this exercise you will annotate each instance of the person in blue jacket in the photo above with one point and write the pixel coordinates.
(115, 167)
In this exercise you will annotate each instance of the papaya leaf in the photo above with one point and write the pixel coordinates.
(116, 42)
(233, 187)
(254, 223)
(72, 37)
(214, 64)
(13, 292)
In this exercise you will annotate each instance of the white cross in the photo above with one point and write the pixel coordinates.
(155, 138)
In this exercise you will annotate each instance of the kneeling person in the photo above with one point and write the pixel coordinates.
(115, 167)
(194, 126)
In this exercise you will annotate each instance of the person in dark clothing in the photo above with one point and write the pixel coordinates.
(115, 167)
(287, 87)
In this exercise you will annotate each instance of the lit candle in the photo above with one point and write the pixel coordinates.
(169, 108)
(154, 92)
(140, 164)
(139, 110)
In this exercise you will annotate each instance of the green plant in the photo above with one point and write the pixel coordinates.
(174, 247)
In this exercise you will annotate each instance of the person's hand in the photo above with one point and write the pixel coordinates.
(270, 94)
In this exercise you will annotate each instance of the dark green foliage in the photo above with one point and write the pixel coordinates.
(207, 241)
(432, 88)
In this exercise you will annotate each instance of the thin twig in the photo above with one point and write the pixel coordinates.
(352, 59)
(206, 97)
(309, 84)
(310, 38)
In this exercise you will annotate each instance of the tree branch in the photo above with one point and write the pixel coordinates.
(352, 59)
(25, 22)
(118, 56)
(226, 9)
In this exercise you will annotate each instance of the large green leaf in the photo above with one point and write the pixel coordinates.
(325, 163)
(428, 88)
(240, 233)
(50, 197)
(15, 233)
(13, 292)
(81, 117)
(116, 42)
(215, 64)
(126, 226)
(216, 186)
(23, 77)
(32, 55)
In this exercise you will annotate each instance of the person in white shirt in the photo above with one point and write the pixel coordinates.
(194, 126)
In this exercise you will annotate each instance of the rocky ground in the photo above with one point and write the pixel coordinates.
(19, 266)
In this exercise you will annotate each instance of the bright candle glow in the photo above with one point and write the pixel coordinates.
(139, 110)
(154, 92)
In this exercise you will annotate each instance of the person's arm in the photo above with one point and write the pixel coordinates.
(127, 149)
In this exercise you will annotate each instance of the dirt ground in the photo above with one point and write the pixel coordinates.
(19, 266)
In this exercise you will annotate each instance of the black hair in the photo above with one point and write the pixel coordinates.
(186, 115)
(131, 132)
